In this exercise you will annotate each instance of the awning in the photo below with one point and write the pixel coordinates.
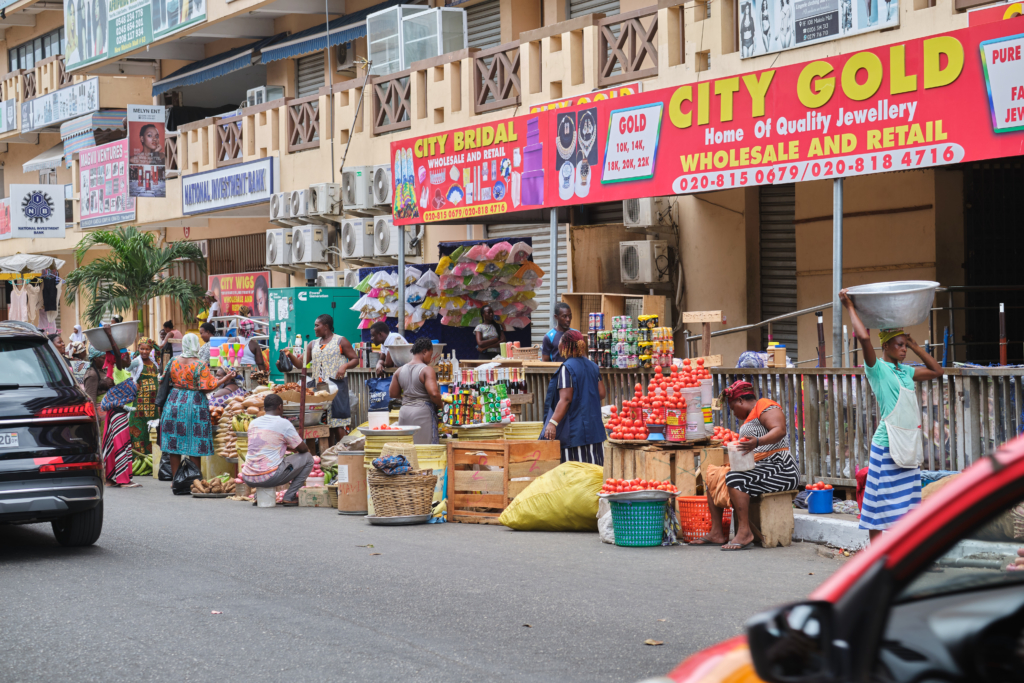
(80, 133)
(47, 161)
(212, 67)
(343, 29)
(29, 263)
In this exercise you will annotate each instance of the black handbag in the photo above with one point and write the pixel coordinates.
(164, 390)
(284, 363)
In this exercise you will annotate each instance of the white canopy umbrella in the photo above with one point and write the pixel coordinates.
(29, 263)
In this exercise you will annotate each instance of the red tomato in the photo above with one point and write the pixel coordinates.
(828, 487)
(673, 368)
(686, 362)
(700, 361)
(638, 387)
(657, 369)
(614, 410)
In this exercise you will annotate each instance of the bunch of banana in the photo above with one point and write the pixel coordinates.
(142, 464)
(240, 422)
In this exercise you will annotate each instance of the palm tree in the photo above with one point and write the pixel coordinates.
(132, 273)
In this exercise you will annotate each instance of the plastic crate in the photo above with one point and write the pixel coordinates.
(638, 523)
(695, 517)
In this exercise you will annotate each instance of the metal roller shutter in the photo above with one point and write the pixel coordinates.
(309, 74)
(579, 8)
(778, 263)
(541, 235)
(238, 254)
(483, 24)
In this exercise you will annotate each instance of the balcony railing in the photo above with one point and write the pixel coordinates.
(633, 53)
(391, 102)
(28, 85)
(229, 140)
(172, 160)
(304, 123)
(496, 78)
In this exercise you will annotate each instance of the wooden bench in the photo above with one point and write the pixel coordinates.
(771, 518)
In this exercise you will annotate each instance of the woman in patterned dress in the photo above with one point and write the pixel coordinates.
(764, 428)
(185, 427)
(145, 401)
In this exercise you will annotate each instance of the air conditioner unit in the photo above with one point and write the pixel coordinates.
(279, 247)
(355, 189)
(309, 242)
(386, 235)
(356, 238)
(323, 202)
(281, 208)
(382, 186)
(350, 277)
(329, 278)
(346, 57)
(263, 94)
(298, 208)
(646, 213)
(644, 262)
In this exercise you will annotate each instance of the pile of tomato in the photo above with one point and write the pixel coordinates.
(691, 374)
(820, 486)
(725, 435)
(629, 485)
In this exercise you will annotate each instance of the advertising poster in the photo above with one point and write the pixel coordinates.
(104, 198)
(46, 111)
(37, 211)
(101, 29)
(242, 289)
(8, 115)
(146, 133)
(768, 26)
(879, 110)
(5, 219)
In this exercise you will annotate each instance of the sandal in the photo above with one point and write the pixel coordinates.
(704, 541)
(132, 485)
(731, 547)
(293, 503)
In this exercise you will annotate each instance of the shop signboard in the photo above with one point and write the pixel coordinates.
(146, 132)
(61, 105)
(104, 185)
(102, 29)
(37, 211)
(228, 188)
(8, 115)
(623, 90)
(235, 290)
(921, 103)
(768, 26)
(5, 219)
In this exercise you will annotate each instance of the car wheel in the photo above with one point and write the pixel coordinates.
(79, 529)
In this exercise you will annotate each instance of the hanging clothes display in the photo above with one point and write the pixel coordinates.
(50, 293)
(19, 304)
(35, 303)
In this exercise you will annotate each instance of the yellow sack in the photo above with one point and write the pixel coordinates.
(564, 499)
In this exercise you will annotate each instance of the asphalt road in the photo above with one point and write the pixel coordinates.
(301, 598)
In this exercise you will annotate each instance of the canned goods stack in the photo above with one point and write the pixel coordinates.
(593, 339)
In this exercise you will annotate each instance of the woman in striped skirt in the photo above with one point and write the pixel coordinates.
(893, 489)
(764, 433)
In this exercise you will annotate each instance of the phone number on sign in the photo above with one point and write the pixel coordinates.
(835, 167)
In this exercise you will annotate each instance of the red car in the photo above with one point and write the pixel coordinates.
(933, 600)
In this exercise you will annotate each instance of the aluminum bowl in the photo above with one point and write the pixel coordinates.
(402, 353)
(889, 305)
(124, 335)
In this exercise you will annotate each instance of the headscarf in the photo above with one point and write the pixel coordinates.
(572, 345)
(190, 344)
(145, 341)
(77, 335)
(95, 353)
(738, 388)
(889, 335)
(75, 348)
(246, 328)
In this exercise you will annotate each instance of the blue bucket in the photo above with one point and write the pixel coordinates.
(820, 502)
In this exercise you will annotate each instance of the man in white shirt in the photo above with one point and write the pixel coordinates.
(382, 335)
(266, 465)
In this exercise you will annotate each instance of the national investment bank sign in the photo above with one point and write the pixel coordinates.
(231, 187)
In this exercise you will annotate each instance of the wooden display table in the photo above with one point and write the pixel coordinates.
(481, 474)
(677, 462)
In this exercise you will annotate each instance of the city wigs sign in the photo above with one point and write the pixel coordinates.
(926, 102)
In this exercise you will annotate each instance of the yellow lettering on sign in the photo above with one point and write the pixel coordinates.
(812, 88)
(676, 115)
(862, 61)
(899, 81)
(724, 88)
(934, 75)
(758, 89)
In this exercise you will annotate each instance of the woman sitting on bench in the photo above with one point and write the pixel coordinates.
(764, 428)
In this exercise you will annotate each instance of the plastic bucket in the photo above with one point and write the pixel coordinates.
(266, 497)
(378, 419)
(638, 523)
(695, 427)
(740, 461)
(820, 502)
(693, 401)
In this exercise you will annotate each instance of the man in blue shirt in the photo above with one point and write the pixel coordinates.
(549, 347)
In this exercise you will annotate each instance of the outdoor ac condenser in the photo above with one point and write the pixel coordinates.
(643, 262)
(324, 202)
(330, 278)
(281, 209)
(298, 207)
(356, 238)
(279, 247)
(646, 213)
(382, 186)
(351, 277)
(355, 190)
(386, 235)
(309, 244)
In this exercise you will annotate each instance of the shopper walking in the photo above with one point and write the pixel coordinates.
(144, 409)
(894, 478)
(416, 384)
(573, 404)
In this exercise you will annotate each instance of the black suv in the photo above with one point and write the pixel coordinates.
(50, 464)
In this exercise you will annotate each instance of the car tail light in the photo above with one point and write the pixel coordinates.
(80, 410)
(64, 466)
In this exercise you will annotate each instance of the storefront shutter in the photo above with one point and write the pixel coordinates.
(541, 235)
(579, 8)
(483, 24)
(310, 74)
(238, 254)
(778, 263)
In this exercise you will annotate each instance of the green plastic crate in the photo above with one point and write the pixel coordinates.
(638, 523)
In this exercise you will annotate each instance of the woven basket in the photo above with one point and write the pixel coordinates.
(332, 495)
(401, 495)
(406, 449)
(638, 523)
(526, 353)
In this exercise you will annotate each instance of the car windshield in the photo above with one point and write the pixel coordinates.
(30, 363)
(990, 555)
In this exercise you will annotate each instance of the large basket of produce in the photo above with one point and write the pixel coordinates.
(400, 495)
(638, 523)
(695, 517)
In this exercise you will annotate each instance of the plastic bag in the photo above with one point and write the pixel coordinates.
(164, 474)
(183, 478)
(605, 527)
(379, 390)
(564, 499)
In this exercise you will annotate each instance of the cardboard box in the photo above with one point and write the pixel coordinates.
(314, 497)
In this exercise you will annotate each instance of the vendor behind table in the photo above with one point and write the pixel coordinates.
(563, 323)
(381, 335)
(416, 384)
(489, 334)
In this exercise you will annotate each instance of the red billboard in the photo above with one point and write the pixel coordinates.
(235, 290)
(926, 102)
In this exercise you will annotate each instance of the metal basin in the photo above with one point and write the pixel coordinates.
(124, 335)
(887, 305)
(402, 353)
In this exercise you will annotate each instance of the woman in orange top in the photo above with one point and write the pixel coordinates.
(764, 428)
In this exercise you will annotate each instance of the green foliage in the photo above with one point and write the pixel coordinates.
(131, 273)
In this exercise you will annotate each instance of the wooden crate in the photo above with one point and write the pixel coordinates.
(314, 497)
(679, 465)
(583, 304)
(481, 474)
